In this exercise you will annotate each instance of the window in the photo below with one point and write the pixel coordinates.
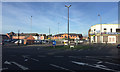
(111, 30)
(117, 30)
(113, 39)
(105, 29)
(110, 39)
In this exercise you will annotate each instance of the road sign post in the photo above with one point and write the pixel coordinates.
(54, 44)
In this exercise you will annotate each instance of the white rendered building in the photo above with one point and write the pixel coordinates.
(105, 33)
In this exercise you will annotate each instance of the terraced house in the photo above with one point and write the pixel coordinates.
(104, 33)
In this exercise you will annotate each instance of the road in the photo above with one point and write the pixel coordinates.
(37, 58)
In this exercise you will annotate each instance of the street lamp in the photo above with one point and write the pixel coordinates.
(100, 28)
(18, 37)
(68, 22)
(31, 24)
(58, 28)
(31, 29)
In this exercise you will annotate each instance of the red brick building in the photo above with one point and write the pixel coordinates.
(29, 39)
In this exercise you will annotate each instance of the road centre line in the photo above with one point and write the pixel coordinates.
(61, 67)
(95, 66)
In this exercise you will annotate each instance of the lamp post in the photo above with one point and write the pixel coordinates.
(58, 28)
(31, 29)
(68, 21)
(100, 28)
(49, 34)
(18, 37)
(31, 24)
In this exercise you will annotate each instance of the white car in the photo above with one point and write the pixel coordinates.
(20, 41)
(81, 41)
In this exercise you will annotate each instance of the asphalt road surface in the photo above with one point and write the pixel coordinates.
(36, 58)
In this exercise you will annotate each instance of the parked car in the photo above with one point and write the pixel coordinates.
(7, 40)
(37, 42)
(14, 40)
(78, 41)
(44, 41)
(20, 41)
(118, 46)
(65, 42)
(2, 43)
(81, 41)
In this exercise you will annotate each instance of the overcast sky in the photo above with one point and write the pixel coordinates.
(17, 15)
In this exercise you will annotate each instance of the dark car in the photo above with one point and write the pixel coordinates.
(118, 46)
(14, 40)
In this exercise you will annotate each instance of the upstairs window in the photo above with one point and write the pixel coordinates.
(111, 30)
(118, 30)
(105, 29)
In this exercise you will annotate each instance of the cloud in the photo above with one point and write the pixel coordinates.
(18, 15)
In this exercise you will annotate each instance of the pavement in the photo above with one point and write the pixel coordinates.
(40, 59)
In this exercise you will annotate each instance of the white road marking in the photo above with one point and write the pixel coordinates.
(25, 56)
(112, 63)
(26, 60)
(100, 62)
(95, 66)
(6, 62)
(34, 59)
(105, 62)
(61, 67)
(4, 69)
(84, 58)
(20, 66)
